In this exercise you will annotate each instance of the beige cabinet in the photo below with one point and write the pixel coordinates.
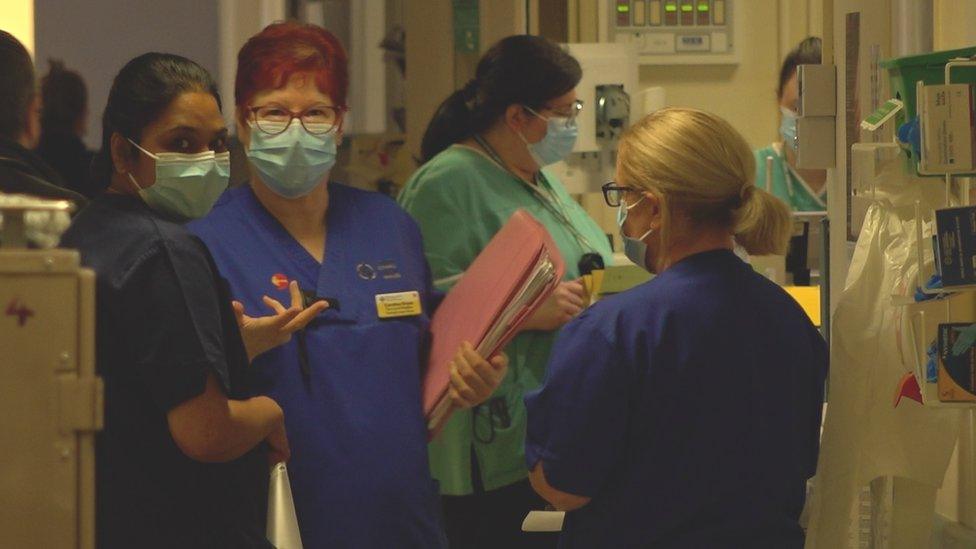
(50, 400)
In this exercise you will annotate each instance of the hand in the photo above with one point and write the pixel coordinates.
(279, 450)
(473, 379)
(565, 303)
(264, 333)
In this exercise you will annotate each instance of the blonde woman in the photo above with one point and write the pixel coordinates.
(684, 412)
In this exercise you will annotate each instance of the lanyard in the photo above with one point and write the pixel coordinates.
(546, 198)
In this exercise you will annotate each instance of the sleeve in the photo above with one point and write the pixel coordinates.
(173, 323)
(577, 420)
(453, 232)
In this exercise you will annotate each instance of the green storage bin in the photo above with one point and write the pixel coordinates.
(929, 68)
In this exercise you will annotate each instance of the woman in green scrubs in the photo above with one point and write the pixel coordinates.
(803, 190)
(484, 151)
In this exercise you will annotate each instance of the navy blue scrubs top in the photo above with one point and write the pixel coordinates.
(687, 408)
(359, 470)
(164, 323)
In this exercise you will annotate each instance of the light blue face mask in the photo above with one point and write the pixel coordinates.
(558, 142)
(634, 248)
(293, 162)
(187, 185)
(787, 127)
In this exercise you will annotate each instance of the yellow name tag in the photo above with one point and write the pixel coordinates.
(398, 304)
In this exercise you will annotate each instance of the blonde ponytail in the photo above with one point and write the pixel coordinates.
(763, 224)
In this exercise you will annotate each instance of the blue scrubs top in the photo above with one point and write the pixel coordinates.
(688, 409)
(359, 471)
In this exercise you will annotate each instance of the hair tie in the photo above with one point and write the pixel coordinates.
(745, 194)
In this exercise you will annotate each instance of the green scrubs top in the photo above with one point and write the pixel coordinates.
(787, 185)
(460, 199)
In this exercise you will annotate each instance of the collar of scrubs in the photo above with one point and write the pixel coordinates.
(546, 197)
(329, 276)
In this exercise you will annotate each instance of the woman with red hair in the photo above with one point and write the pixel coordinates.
(349, 383)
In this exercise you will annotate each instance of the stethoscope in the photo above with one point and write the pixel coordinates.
(545, 197)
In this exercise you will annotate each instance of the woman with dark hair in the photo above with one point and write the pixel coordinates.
(64, 120)
(803, 190)
(485, 150)
(183, 458)
(350, 382)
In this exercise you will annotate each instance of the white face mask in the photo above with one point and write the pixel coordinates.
(293, 162)
(557, 144)
(187, 185)
(634, 248)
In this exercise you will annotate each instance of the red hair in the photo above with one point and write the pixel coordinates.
(271, 56)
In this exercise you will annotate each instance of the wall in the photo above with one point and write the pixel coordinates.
(17, 18)
(954, 27)
(430, 63)
(97, 37)
(744, 94)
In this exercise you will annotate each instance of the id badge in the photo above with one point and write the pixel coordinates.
(399, 304)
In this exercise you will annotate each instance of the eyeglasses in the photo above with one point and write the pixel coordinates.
(613, 194)
(317, 119)
(570, 117)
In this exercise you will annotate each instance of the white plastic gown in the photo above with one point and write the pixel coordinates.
(865, 436)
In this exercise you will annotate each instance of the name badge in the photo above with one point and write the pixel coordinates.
(398, 304)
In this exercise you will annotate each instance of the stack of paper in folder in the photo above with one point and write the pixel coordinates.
(518, 269)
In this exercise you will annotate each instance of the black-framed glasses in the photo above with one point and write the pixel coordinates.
(317, 119)
(613, 194)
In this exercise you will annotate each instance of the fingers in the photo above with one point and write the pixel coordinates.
(238, 311)
(466, 394)
(572, 303)
(576, 287)
(500, 362)
(296, 295)
(574, 293)
(302, 318)
(481, 375)
(273, 304)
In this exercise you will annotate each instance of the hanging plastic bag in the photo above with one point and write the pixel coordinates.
(282, 528)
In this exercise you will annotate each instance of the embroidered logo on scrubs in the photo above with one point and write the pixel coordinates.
(366, 271)
(279, 281)
(388, 270)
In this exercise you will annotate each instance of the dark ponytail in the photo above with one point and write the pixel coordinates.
(522, 69)
(141, 91)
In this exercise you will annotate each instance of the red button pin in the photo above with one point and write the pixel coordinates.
(279, 281)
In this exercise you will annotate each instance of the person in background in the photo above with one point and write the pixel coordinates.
(804, 190)
(684, 412)
(485, 151)
(64, 121)
(21, 171)
(350, 382)
(183, 458)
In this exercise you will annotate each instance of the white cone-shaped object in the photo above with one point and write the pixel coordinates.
(282, 528)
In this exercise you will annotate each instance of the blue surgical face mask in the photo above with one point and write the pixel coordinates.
(787, 127)
(187, 185)
(293, 162)
(558, 142)
(634, 248)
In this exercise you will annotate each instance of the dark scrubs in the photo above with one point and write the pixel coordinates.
(359, 470)
(164, 323)
(687, 408)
